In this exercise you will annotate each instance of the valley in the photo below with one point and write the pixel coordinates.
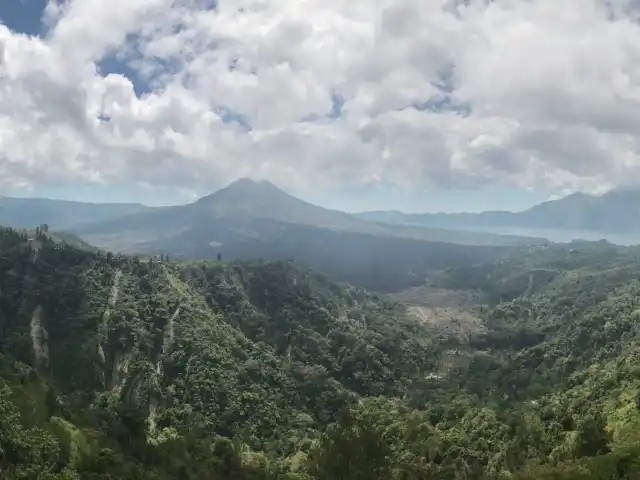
(278, 361)
(263, 369)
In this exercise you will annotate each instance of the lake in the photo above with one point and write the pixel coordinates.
(563, 235)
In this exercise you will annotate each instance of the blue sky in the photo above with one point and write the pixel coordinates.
(24, 16)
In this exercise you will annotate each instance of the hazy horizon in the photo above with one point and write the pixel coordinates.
(143, 195)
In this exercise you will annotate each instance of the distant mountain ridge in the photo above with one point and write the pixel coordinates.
(614, 212)
(242, 199)
(64, 214)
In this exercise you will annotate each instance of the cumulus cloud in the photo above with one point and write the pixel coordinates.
(325, 93)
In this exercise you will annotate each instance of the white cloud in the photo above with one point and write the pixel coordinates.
(552, 88)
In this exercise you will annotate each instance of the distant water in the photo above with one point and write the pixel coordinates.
(564, 235)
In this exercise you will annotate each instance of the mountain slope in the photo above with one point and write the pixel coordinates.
(146, 354)
(616, 211)
(244, 200)
(555, 366)
(266, 201)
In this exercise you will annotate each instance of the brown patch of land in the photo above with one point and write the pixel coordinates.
(448, 321)
(449, 312)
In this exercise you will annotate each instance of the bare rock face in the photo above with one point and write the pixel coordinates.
(39, 338)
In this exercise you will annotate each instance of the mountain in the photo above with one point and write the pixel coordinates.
(114, 367)
(251, 219)
(243, 198)
(262, 199)
(29, 212)
(614, 212)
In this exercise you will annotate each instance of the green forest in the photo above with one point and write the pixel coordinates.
(116, 367)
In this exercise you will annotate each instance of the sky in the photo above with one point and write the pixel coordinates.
(440, 105)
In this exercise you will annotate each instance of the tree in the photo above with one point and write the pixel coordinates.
(592, 438)
(353, 449)
(25, 453)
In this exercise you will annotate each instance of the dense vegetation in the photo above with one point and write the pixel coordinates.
(117, 367)
(132, 368)
(570, 268)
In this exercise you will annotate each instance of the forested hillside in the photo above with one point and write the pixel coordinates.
(127, 368)
(116, 367)
(570, 268)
